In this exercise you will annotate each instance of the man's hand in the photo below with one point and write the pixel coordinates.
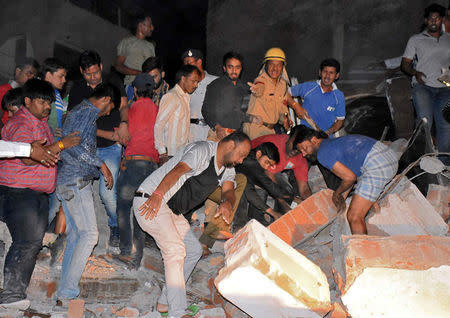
(151, 206)
(107, 175)
(58, 132)
(273, 213)
(221, 132)
(124, 135)
(300, 111)
(163, 158)
(287, 123)
(256, 88)
(225, 210)
(41, 154)
(339, 201)
(71, 140)
(419, 77)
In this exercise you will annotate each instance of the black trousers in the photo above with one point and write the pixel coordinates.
(25, 212)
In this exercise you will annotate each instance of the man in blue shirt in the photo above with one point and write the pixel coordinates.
(79, 166)
(355, 159)
(322, 100)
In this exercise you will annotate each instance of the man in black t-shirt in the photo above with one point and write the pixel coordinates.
(109, 139)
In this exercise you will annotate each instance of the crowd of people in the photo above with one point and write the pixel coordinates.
(161, 153)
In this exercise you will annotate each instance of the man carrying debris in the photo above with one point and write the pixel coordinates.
(426, 55)
(355, 159)
(177, 187)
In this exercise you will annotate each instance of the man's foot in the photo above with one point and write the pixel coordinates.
(14, 303)
(114, 236)
(57, 248)
(135, 263)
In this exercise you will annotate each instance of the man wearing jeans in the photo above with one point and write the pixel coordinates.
(426, 55)
(79, 166)
(177, 187)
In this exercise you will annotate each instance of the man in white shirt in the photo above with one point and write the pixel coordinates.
(173, 190)
(173, 120)
(35, 151)
(199, 128)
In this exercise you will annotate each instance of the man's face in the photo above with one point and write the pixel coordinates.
(237, 154)
(147, 27)
(264, 161)
(40, 108)
(106, 106)
(12, 109)
(433, 22)
(92, 74)
(309, 149)
(193, 61)
(190, 82)
(328, 75)
(26, 73)
(274, 69)
(157, 77)
(57, 79)
(233, 68)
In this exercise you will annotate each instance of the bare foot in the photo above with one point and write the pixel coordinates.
(162, 307)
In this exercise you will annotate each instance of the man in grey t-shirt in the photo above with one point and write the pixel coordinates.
(426, 55)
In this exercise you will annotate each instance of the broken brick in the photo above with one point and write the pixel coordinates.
(309, 216)
(76, 308)
(439, 198)
(265, 277)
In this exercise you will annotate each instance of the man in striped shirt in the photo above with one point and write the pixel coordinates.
(173, 120)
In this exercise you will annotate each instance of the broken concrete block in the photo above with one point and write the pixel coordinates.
(215, 312)
(265, 277)
(309, 216)
(127, 312)
(406, 212)
(397, 276)
(76, 308)
(439, 198)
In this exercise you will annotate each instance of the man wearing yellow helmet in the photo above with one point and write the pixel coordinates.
(269, 94)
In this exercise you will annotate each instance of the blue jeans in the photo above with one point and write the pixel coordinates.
(429, 103)
(25, 212)
(82, 234)
(111, 157)
(53, 206)
(134, 173)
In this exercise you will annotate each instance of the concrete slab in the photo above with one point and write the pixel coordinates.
(265, 277)
(439, 198)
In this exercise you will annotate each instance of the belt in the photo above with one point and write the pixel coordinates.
(140, 157)
(270, 126)
(141, 194)
(198, 121)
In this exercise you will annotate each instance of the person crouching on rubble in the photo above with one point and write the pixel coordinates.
(355, 159)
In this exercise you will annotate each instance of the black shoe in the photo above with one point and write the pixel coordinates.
(57, 248)
(114, 237)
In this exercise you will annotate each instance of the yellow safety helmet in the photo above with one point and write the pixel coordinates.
(275, 54)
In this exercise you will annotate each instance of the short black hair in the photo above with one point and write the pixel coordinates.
(301, 133)
(237, 137)
(151, 63)
(331, 62)
(51, 65)
(89, 58)
(185, 70)
(434, 8)
(106, 90)
(36, 88)
(270, 150)
(13, 97)
(145, 92)
(24, 61)
(232, 55)
(140, 18)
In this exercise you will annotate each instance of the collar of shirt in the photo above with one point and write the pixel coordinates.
(30, 116)
(334, 86)
(14, 84)
(216, 167)
(180, 91)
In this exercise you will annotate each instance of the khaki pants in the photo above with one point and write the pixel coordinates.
(215, 225)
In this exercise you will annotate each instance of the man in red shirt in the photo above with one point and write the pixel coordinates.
(290, 159)
(141, 158)
(24, 188)
(26, 68)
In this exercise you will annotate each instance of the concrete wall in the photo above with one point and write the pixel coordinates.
(358, 33)
(44, 22)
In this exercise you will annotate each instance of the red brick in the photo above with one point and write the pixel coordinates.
(306, 218)
(396, 252)
(76, 308)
